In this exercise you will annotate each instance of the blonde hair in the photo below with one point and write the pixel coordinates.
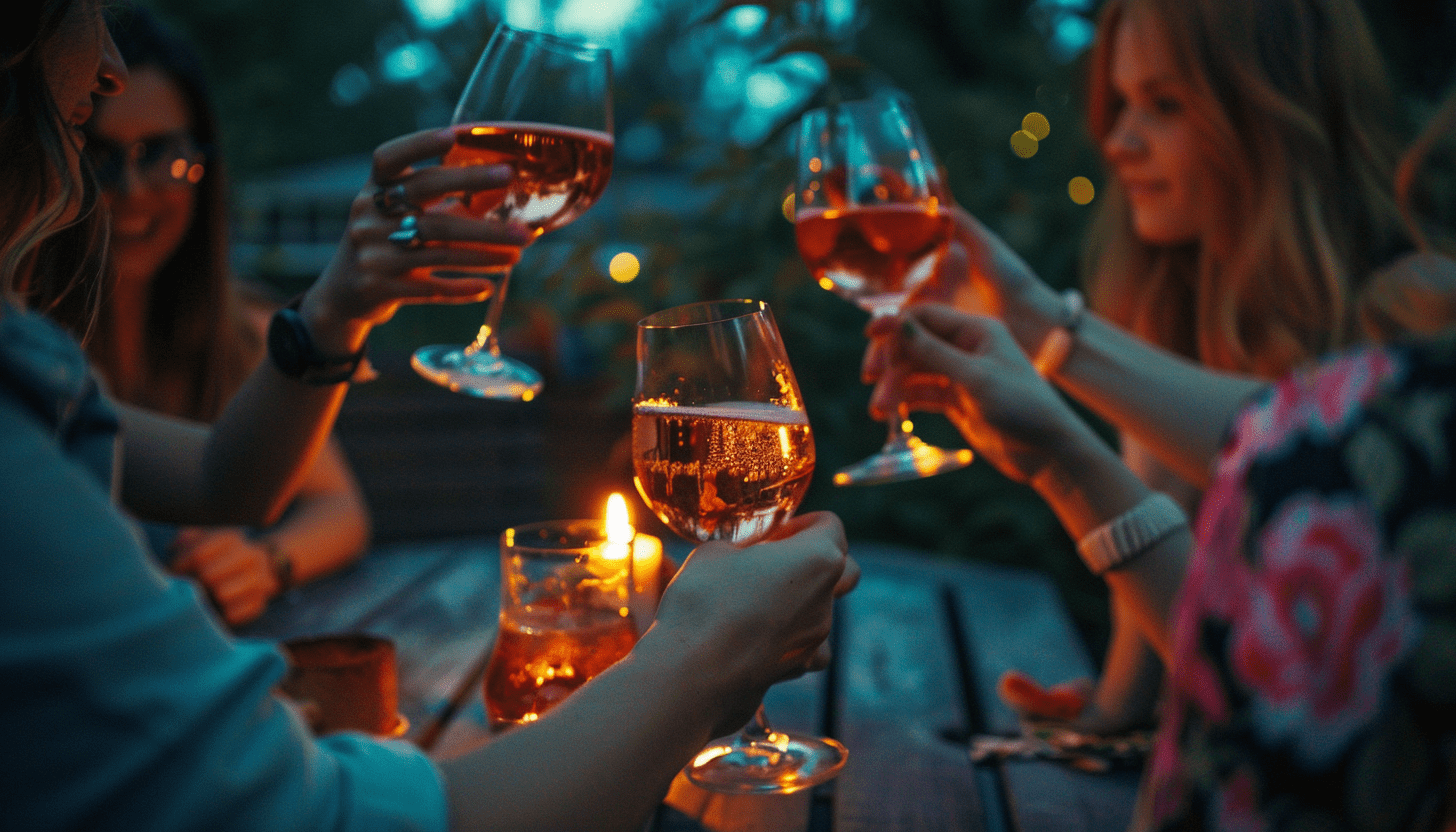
(1292, 103)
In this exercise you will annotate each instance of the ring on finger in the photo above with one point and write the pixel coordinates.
(408, 235)
(391, 200)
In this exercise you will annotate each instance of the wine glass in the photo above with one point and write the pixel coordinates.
(542, 104)
(871, 223)
(722, 450)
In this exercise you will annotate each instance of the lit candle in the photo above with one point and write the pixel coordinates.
(646, 552)
(646, 578)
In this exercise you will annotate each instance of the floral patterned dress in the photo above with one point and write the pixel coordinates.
(1313, 675)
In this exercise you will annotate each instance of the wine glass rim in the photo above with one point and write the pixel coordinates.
(566, 536)
(898, 97)
(554, 39)
(703, 312)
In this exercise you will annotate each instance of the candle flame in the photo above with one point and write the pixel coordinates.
(619, 524)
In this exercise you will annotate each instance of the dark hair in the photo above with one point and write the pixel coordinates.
(191, 325)
(47, 258)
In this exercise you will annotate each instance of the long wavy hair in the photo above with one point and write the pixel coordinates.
(196, 348)
(52, 236)
(1292, 104)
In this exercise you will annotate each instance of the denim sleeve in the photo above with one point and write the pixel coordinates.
(127, 706)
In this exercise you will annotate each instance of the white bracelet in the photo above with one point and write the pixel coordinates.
(1053, 352)
(1128, 535)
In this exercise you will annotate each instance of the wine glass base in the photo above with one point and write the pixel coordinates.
(781, 764)
(477, 374)
(912, 460)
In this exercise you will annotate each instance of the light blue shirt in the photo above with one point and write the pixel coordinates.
(125, 705)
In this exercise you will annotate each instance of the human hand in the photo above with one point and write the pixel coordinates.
(370, 276)
(980, 274)
(745, 618)
(969, 368)
(235, 571)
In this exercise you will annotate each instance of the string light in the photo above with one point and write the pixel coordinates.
(1080, 190)
(624, 267)
(1024, 144)
(1037, 125)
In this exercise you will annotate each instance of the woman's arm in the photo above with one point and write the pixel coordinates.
(326, 527)
(245, 470)
(970, 368)
(1176, 407)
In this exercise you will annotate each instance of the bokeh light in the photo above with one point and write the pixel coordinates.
(1080, 190)
(788, 206)
(1024, 144)
(1037, 125)
(624, 267)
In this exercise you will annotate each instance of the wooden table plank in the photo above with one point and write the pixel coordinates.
(343, 601)
(1014, 619)
(899, 699)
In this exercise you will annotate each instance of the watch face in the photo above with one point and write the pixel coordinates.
(284, 344)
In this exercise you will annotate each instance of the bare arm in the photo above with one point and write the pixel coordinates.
(1177, 408)
(970, 368)
(326, 527)
(248, 466)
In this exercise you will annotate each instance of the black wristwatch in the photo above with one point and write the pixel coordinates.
(293, 352)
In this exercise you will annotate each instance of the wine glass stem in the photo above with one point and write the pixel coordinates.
(897, 437)
(485, 339)
(757, 729)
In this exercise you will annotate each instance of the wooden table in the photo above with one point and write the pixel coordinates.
(919, 646)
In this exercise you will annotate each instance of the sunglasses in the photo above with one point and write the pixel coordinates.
(168, 160)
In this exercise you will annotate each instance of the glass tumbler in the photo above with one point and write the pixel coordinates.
(565, 616)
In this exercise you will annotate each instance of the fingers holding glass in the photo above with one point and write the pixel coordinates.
(872, 222)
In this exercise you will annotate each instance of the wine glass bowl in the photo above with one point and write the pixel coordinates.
(722, 450)
(721, 445)
(543, 105)
(871, 223)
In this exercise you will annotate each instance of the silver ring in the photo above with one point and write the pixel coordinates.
(391, 201)
(408, 235)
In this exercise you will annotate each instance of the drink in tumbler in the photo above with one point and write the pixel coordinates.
(728, 471)
(565, 616)
(541, 655)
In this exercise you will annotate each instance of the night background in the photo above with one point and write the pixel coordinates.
(705, 101)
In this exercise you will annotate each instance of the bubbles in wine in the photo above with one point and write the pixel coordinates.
(727, 471)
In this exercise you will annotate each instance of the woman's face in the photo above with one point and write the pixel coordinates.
(141, 141)
(81, 62)
(1153, 147)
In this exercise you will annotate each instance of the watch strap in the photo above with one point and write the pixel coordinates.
(309, 365)
(1122, 539)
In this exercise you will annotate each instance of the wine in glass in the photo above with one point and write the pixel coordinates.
(871, 223)
(543, 105)
(722, 450)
